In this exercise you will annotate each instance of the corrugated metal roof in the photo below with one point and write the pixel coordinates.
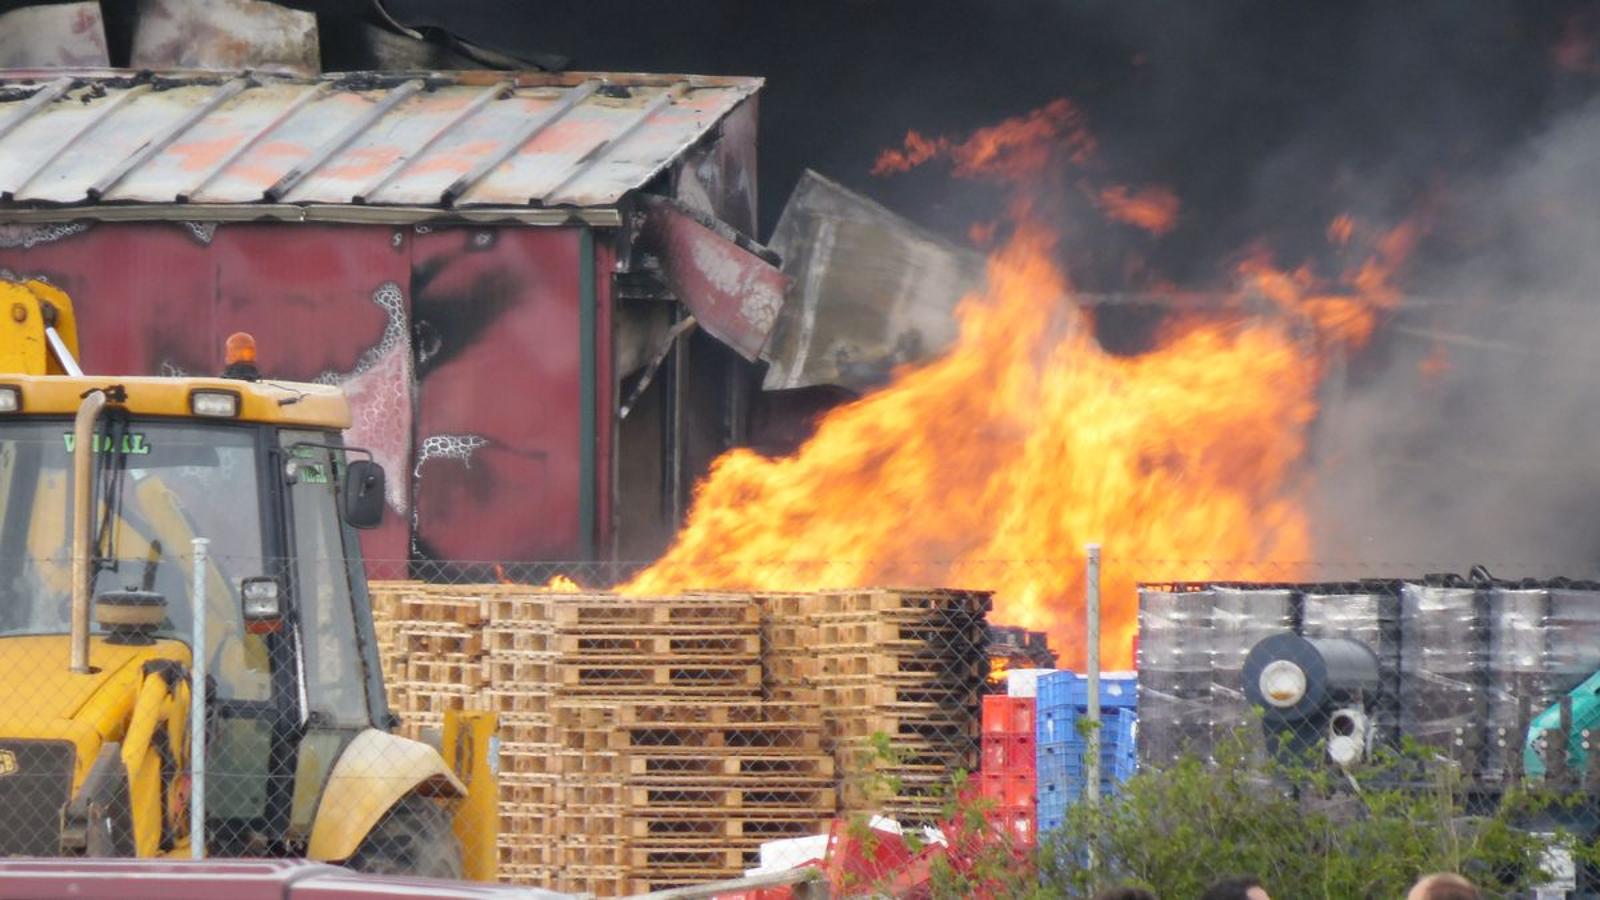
(471, 139)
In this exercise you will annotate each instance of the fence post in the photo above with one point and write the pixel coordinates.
(1091, 665)
(197, 708)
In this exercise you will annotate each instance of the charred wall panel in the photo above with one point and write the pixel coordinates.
(496, 315)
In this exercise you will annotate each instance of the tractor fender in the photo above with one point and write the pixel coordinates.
(375, 771)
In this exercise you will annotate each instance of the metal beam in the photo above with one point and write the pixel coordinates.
(599, 151)
(244, 146)
(99, 116)
(163, 140)
(341, 140)
(588, 396)
(531, 129)
(400, 165)
(40, 99)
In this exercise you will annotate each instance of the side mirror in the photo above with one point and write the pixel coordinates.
(362, 500)
(263, 604)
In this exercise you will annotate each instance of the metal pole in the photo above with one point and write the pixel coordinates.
(83, 526)
(197, 708)
(1091, 619)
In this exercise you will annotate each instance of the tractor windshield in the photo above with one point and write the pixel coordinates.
(158, 485)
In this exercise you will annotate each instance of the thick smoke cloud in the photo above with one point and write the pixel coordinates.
(1470, 432)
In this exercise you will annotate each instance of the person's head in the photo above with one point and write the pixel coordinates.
(1443, 886)
(1239, 887)
(1122, 892)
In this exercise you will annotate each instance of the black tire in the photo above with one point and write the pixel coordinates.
(413, 838)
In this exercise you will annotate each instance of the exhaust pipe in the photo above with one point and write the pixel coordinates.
(82, 527)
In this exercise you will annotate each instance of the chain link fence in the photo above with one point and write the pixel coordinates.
(1329, 731)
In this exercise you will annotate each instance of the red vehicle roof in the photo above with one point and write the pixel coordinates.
(235, 879)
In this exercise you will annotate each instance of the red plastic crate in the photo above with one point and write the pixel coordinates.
(1007, 715)
(853, 867)
(1022, 790)
(1010, 752)
(1009, 790)
(1021, 823)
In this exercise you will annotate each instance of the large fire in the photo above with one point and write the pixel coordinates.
(993, 465)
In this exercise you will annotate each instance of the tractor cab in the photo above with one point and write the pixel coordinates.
(111, 610)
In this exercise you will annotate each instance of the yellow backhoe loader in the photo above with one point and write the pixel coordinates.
(125, 644)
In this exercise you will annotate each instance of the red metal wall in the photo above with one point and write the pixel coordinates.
(459, 348)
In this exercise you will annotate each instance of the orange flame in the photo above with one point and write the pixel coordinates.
(1340, 230)
(993, 465)
(561, 584)
(1155, 209)
(1017, 148)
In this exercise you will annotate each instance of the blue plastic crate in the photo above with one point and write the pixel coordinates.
(1060, 763)
(1054, 689)
(1053, 724)
(1118, 691)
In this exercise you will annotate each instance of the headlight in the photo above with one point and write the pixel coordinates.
(10, 399)
(217, 404)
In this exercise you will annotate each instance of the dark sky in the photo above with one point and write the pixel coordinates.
(1265, 117)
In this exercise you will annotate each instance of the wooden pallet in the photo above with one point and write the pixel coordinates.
(869, 663)
(508, 673)
(519, 789)
(530, 825)
(913, 694)
(517, 640)
(918, 750)
(437, 639)
(527, 759)
(678, 677)
(708, 737)
(666, 859)
(512, 699)
(423, 607)
(595, 615)
(443, 672)
(740, 825)
(948, 726)
(824, 603)
(694, 763)
(431, 697)
(528, 876)
(675, 798)
(745, 712)
(745, 642)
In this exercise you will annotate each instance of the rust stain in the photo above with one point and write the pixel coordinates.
(455, 161)
(568, 137)
(362, 162)
(199, 156)
(280, 148)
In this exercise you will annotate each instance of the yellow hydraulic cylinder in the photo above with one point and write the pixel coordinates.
(471, 746)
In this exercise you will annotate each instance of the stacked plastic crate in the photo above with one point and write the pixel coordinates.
(1008, 776)
(1063, 700)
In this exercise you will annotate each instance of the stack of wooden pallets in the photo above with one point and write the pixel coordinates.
(708, 782)
(897, 675)
(637, 749)
(430, 644)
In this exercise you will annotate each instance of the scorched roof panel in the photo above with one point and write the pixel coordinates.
(481, 139)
